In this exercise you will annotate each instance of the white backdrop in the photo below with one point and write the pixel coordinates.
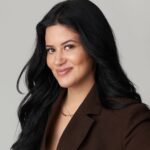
(129, 19)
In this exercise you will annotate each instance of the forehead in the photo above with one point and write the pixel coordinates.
(60, 33)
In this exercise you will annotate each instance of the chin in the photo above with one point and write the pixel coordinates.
(66, 84)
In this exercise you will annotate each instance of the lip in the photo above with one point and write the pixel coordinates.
(63, 71)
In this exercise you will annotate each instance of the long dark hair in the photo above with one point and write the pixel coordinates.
(96, 35)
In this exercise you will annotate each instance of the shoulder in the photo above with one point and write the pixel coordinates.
(133, 123)
(133, 111)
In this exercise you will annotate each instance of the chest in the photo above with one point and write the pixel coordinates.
(60, 126)
(97, 138)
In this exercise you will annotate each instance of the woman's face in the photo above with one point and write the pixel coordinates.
(66, 57)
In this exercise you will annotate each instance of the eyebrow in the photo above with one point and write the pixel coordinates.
(48, 45)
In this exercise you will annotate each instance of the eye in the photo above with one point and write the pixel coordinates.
(69, 46)
(50, 50)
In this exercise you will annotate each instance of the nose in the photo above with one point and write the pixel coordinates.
(59, 58)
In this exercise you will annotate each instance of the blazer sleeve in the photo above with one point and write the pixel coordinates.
(137, 127)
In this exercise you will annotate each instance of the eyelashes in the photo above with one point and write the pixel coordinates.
(66, 47)
(50, 50)
(70, 46)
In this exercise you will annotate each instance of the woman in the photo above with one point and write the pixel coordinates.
(79, 96)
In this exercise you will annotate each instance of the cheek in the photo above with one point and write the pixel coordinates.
(87, 65)
(78, 58)
(83, 62)
(49, 62)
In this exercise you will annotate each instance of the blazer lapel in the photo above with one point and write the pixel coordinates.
(79, 125)
(81, 122)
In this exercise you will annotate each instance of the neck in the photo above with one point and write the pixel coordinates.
(76, 95)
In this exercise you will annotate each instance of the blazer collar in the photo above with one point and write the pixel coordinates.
(80, 123)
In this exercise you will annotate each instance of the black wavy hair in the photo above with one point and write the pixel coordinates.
(96, 35)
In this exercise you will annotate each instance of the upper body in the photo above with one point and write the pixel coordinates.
(93, 127)
(75, 47)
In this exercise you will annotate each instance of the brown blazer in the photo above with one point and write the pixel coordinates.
(94, 127)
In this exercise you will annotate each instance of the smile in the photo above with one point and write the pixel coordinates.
(64, 72)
